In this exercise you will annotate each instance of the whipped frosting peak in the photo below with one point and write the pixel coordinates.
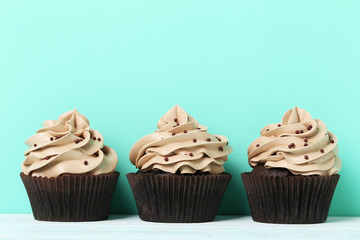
(68, 146)
(180, 144)
(299, 143)
(295, 115)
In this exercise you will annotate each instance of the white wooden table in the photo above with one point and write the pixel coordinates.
(24, 227)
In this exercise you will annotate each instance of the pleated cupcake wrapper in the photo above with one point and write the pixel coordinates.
(291, 199)
(71, 198)
(178, 198)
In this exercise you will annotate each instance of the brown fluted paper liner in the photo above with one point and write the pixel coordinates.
(71, 198)
(178, 198)
(290, 199)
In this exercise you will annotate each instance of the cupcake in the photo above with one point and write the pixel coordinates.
(68, 172)
(181, 175)
(295, 166)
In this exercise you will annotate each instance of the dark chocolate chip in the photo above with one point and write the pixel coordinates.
(94, 138)
(208, 140)
(86, 163)
(173, 134)
(221, 149)
(306, 157)
(332, 141)
(279, 125)
(305, 140)
(51, 139)
(322, 150)
(194, 140)
(297, 131)
(257, 145)
(301, 131)
(191, 154)
(305, 144)
(35, 145)
(76, 141)
(185, 131)
(175, 120)
(309, 127)
(166, 159)
(99, 139)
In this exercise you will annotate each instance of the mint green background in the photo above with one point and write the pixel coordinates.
(233, 65)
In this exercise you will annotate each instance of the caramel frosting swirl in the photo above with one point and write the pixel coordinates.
(299, 143)
(68, 146)
(180, 145)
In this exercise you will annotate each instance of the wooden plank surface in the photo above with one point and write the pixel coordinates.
(23, 226)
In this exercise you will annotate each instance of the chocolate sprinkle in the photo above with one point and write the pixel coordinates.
(218, 139)
(322, 150)
(305, 144)
(175, 120)
(99, 139)
(301, 131)
(279, 125)
(198, 128)
(173, 134)
(35, 145)
(297, 132)
(85, 162)
(194, 140)
(191, 154)
(208, 139)
(76, 141)
(332, 141)
(166, 159)
(257, 145)
(267, 130)
(221, 149)
(51, 139)
(185, 131)
(306, 157)
(94, 138)
(309, 127)
(290, 146)
(50, 156)
(305, 140)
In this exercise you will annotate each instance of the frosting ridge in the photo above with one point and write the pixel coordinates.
(68, 146)
(180, 144)
(299, 143)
